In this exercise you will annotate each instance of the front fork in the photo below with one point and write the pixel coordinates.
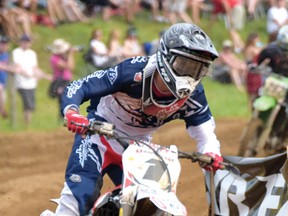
(267, 128)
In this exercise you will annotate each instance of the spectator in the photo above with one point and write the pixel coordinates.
(178, 11)
(232, 64)
(4, 68)
(156, 8)
(100, 52)
(235, 14)
(26, 81)
(56, 12)
(107, 7)
(132, 46)
(252, 48)
(196, 7)
(73, 12)
(89, 7)
(151, 48)
(115, 48)
(277, 16)
(17, 21)
(62, 64)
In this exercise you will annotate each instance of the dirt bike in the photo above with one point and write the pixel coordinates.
(267, 131)
(150, 177)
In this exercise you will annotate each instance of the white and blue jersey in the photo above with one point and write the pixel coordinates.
(115, 95)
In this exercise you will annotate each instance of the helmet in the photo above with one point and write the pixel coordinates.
(282, 37)
(184, 55)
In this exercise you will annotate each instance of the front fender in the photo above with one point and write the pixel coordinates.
(264, 103)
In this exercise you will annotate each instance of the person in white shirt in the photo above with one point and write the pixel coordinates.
(277, 16)
(26, 81)
(100, 52)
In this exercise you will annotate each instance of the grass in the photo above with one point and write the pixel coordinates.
(225, 100)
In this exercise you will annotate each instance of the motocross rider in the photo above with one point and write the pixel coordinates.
(275, 56)
(276, 53)
(138, 96)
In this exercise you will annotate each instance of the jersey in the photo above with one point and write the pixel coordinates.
(116, 96)
(278, 58)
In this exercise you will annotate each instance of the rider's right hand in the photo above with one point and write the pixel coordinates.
(75, 122)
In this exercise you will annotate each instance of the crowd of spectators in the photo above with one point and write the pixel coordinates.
(17, 18)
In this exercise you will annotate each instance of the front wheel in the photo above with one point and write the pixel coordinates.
(249, 138)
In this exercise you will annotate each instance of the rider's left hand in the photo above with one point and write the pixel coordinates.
(216, 164)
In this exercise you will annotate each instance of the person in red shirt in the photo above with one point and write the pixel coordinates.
(234, 12)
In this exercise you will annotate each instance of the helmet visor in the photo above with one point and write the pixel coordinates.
(191, 67)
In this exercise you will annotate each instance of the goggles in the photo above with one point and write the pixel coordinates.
(189, 65)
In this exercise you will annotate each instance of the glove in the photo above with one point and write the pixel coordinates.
(76, 123)
(217, 159)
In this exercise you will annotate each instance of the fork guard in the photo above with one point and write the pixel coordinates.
(264, 103)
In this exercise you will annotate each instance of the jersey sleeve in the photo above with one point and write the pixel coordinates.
(95, 85)
(99, 84)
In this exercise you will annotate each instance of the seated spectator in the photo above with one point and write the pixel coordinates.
(56, 12)
(132, 46)
(17, 21)
(157, 9)
(115, 48)
(73, 12)
(233, 65)
(100, 52)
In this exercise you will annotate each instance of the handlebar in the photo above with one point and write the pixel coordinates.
(108, 130)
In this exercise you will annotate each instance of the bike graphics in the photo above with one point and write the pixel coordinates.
(150, 176)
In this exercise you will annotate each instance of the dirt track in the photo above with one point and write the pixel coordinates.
(32, 167)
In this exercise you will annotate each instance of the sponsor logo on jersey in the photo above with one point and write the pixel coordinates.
(138, 77)
(139, 59)
(112, 74)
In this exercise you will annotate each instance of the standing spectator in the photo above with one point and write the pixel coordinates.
(196, 8)
(4, 68)
(277, 16)
(132, 46)
(100, 53)
(252, 48)
(178, 11)
(4, 60)
(235, 15)
(26, 81)
(62, 64)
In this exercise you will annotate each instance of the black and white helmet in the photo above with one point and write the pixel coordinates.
(282, 37)
(184, 55)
